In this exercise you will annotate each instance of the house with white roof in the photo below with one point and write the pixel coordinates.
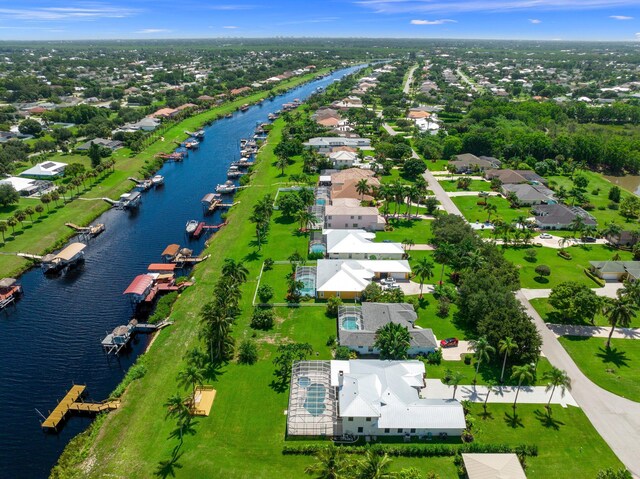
(347, 279)
(49, 169)
(26, 186)
(359, 244)
(343, 159)
(346, 215)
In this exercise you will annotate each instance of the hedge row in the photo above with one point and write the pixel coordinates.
(422, 450)
(597, 280)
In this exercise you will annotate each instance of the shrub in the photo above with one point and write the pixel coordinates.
(314, 256)
(248, 352)
(331, 340)
(416, 450)
(435, 357)
(588, 206)
(444, 306)
(466, 436)
(467, 359)
(564, 254)
(530, 255)
(262, 318)
(543, 270)
(265, 293)
(332, 306)
(268, 264)
(342, 353)
(163, 307)
(613, 206)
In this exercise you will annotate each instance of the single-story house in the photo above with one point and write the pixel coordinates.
(358, 244)
(351, 216)
(48, 169)
(26, 186)
(616, 270)
(493, 466)
(347, 278)
(164, 113)
(357, 326)
(326, 143)
(529, 194)
(508, 176)
(111, 144)
(468, 163)
(343, 159)
(558, 216)
(145, 124)
(383, 398)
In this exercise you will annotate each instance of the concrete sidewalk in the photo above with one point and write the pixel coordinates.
(593, 331)
(441, 195)
(609, 290)
(436, 389)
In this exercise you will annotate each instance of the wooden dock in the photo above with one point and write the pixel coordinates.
(73, 402)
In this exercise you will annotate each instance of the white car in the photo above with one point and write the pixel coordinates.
(388, 282)
(545, 236)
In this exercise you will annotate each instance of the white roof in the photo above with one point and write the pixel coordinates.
(358, 241)
(389, 390)
(343, 156)
(325, 179)
(18, 183)
(48, 168)
(352, 274)
(493, 466)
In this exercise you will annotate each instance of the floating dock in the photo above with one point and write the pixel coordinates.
(72, 402)
(91, 230)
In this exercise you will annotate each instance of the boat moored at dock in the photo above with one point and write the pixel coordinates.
(157, 180)
(129, 200)
(191, 226)
(226, 188)
(234, 172)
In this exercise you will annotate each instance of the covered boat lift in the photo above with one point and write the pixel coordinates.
(69, 256)
(140, 288)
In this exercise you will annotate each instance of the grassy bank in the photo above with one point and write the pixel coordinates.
(48, 232)
(244, 435)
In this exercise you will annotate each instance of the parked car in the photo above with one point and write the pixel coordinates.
(388, 282)
(589, 239)
(545, 236)
(449, 343)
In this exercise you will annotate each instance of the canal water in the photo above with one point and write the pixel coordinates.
(51, 339)
(628, 182)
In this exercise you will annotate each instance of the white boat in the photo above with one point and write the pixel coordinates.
(130, 200)
(191, 226)
(233, 172)
(157, 180)
(227, 187)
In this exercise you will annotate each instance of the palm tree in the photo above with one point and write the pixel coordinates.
(178, 409)
(506, 346)
(455, 380)
(20, 216)
(631, 290)
(473, 260)
(305, 218)
(12, 222)
(374, 466)
(490, 209)
(619, 312)
(217, 330)
(3, 229)
(29, 211)
(393, 340)
(577, 225)
(443, 253)
(45, 200)
(556, 378)
(483, 350)
(522, 374)
(191, 376)
(235, 270)
(423, 270)
(55, 196)
(39, 209)
(282, 162)
(362, 188)
(330, 464)
(611, 230)
(407, 243)
(490, 388)
(413, 196)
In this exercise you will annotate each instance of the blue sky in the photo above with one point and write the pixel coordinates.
(502, 19)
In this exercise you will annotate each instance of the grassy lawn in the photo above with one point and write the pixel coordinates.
(442, 327)
(568, 445)
(276, 278)
(561, 269)
(615, 370)
(474, 212)
(437, 165)
(416, 229)
(549, 315)
(50, 233)
(597, 182)
(476, 185)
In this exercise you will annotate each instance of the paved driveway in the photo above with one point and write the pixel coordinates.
(448, 205)
(616, 419)
(455, 354)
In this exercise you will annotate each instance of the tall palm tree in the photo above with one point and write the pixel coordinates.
(3, 230)
(631, 290)
(12, 222)
(191, 377)
(423, 270)
(393, 340)
(557, 378)
(217, 331)
(611, 230)
(179, 410)
(374, 466)
(473, 259)
(577, 225)
(619, 312)
(483, 351)
(491, 387)
(282, 162)
(443, 254)
(330, 463)
(455, 380)
(29, 211)
(305, 218)
(523, 374)
(362, 188)
(506, 346)
(235, 270)
(490, 208)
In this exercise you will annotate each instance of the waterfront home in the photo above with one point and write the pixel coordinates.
(113, 145)
(164, 113)
(366, 397)
(468, 163)
(558, 216)
(528, 195)
(357, 327)
(616, 270)
(348, 214)
(325, 144)
(493, 466)
(145, 124)
(347, 278)
(49, 169)
(359, 244)
(26, 186)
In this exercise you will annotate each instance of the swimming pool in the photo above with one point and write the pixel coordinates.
(307, 275)
(314, 402)
(318, 248)
(351, 323)
(321, 201)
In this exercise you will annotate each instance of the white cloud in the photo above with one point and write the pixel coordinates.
(153, 30)
(230, 26)
(535, 21)
(455, 6)
(638, 36)
(93, 11)
(432, 22)
(620, 17)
